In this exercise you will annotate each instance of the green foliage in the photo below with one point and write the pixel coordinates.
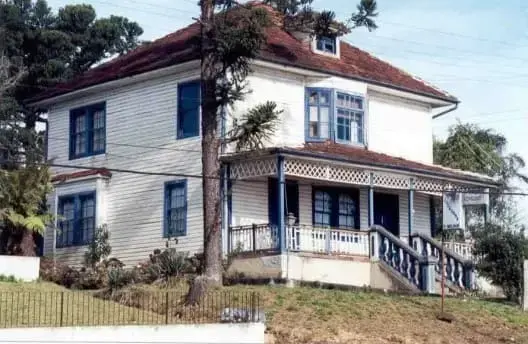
(474, 149)
(9, 279)
(119, 277)
(501, 252)
(99, 249)
(170, 263)
(299, 15)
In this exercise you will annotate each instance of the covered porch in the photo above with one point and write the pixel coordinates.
(326, 202)
(292, 197)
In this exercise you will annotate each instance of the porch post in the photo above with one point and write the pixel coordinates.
(371, 201)
(281, 221)
(225, 211)
(410, 217)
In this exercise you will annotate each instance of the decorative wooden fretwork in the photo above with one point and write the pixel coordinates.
(392, 181)
(327, 172)
(254, 168)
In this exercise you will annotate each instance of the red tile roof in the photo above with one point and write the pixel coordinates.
(80, 174)
(281, 47)
(330, 150)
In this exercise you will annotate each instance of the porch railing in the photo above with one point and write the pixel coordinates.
(299, 238)
(401, 257)
(463, 249)
(458, 270)
(253, 238)
(304, 238)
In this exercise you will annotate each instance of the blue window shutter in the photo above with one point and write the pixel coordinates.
(188, 117)
(185, 209)
(166, 205)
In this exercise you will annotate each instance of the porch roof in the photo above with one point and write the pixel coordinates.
(330, 151)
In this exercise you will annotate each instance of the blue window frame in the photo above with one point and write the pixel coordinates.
(334, 115)
(349, 118)
(87, 130)
(175, 217)
(188, 117)
(326, 44)
(318, 114)
(77, 219)
(335, 207)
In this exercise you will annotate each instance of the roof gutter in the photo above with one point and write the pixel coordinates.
(445, 112)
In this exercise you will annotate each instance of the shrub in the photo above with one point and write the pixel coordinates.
(170, 263)
(58, 273)
(118, 278)
(500, 253)
(10, 278)
(91, 278)
(99, 249)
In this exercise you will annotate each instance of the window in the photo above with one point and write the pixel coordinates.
(318, 114)
(337, 208)
(77, 219)
(322, 209)
(188, 117)
(175, 209)
(334, 115)
(87, 131)
(349, 118)
(326, 44)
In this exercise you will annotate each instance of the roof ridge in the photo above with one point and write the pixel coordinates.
(403, 71)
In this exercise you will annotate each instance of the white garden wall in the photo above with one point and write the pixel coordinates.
(188, 334)
(22, 268)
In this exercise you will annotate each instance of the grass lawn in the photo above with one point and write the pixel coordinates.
(294, 316)
(310, 315)
(40, 304)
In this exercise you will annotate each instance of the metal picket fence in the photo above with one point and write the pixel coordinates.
(79, 308)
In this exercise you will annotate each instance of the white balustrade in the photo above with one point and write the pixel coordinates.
(464, 249)
(327, 240)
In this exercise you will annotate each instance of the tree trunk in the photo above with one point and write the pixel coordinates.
(210, 165)
(17, 242)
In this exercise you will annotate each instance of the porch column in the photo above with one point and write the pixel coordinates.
(281, 221)
(371, 201)
(411, 209)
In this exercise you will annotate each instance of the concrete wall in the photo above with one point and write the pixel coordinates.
(188, 334)
(258, 267)
(312, 268)
(22, 268)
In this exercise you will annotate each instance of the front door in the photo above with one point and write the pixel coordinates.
(387, 212)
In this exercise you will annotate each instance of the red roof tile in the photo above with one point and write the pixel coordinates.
(281, 48)
(80, 174)
(330, 150)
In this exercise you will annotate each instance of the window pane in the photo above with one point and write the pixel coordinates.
(314, 97)
(80, 124)
(347, 211)
(98, 140)
(188, 109)
(314, 129)
(176, 209)
(324, 114)
(324, 98)
(314, 114)
(98, 119)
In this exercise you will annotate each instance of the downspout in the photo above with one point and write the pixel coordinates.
(446, 111)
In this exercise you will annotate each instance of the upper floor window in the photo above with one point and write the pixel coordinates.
(318, 113)
(77, 219)
(87, 130)
(349, 118)
(188, 117)
(334, 115)
(327, 45)
(175, 217)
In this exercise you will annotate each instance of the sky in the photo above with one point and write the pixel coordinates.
(477, 50)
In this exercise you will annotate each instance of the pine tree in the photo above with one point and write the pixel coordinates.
(231, 36)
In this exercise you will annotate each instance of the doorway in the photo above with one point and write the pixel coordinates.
(387, 212)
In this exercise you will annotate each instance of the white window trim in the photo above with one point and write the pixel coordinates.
(337, 55)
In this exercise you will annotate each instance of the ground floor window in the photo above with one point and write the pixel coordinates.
(335, 207)
(77, 219)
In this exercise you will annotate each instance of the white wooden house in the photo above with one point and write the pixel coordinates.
(353, 150)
